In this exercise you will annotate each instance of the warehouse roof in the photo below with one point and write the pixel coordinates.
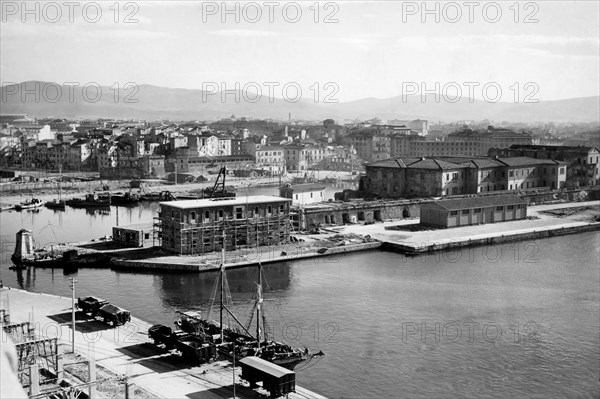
(476, 202)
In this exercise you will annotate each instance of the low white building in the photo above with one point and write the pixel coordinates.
(303, 194)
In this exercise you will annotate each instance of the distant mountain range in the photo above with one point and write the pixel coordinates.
(153, 102)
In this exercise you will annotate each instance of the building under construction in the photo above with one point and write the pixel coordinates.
(196, 226)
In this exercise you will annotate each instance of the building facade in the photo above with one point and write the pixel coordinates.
(303, 194)
(441, 176)
(473, 211)
(199, 226)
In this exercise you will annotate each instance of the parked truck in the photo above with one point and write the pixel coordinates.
(189, 346)
(110, 314)
(90, 305)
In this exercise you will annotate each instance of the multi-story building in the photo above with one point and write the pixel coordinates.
(206, 225)
(583, 161)
(271, 158)
(491, 138)
(441, 176)
(302, 157)
(370, 146)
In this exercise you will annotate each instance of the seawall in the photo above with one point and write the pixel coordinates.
(192, 265)
(411, 249)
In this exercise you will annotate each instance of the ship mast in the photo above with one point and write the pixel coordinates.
(258, 305)
(222, 272)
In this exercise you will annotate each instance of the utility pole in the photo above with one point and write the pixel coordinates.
(73, 281)
(234, 369)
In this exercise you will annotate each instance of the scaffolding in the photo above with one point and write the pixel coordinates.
(239, 234)
(41, 354)
(20, 332)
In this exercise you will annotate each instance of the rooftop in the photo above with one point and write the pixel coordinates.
(216, 202)
(305, 188)
(478, 202)
(444, 163)
(267, 367)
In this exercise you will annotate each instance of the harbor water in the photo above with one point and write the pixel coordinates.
(515, 320)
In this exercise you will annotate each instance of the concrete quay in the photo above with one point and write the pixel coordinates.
(127, 351)
(404, 236)
(211, 262)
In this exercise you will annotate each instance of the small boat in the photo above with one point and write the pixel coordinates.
(56, 204)
(29, 204)
(162, 196)
(90, 201)
(124, 199)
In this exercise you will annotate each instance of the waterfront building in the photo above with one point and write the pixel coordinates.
(441, 176)
(196, 226)
(303, 194)
(472, 211)
(583, 161)
(134, 235)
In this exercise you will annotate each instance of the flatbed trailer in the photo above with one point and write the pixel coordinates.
(189, 346)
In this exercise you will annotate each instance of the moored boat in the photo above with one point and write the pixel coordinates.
(56, 204)
(124, 199)
(90, 201)
(236, 339)
(29, 204)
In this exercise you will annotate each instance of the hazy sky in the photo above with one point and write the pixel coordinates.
(369, 49)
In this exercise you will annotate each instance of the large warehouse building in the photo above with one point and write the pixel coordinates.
(472, 211)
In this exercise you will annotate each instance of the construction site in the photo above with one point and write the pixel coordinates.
(192, 227)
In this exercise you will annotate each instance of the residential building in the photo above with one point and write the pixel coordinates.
(370, 146)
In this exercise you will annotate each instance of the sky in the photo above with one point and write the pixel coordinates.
(345, 51)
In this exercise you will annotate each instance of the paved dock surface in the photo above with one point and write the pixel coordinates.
(397, 232)
(126, 350)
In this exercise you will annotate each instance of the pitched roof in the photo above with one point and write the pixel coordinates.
(525, 161)
(477, 202)
(306, 188)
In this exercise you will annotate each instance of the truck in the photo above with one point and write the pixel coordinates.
(110, 314)
(188, 346)
(114, 315)
(90, 305)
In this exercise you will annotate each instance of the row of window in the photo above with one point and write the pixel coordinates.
(219, 214)
(478, 210)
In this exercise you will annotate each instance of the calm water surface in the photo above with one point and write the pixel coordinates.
(497, 322)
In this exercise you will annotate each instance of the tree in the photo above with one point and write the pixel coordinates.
(327, 123)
